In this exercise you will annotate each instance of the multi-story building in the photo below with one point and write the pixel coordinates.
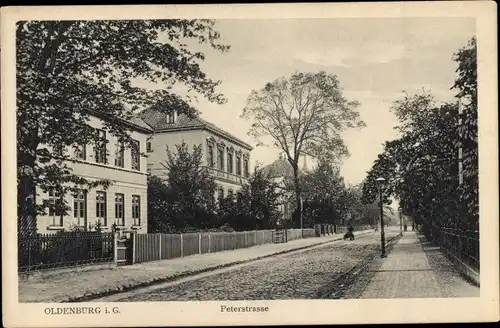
(227, 157)
(124, 202)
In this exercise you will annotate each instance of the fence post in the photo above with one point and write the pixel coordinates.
(209, 245)
(115, 244)
(182, 246)
(223, 237)
(199, 242)
(134, 242)
(246, 236)
(159, 247)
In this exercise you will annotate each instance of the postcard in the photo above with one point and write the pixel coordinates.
(250, 164)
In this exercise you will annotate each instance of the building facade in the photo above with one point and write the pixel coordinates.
(123, 203)
(226, 157)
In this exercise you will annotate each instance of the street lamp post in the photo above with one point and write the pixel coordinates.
(380, 182)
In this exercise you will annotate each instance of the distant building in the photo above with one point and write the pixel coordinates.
(227, 157)
(123, 203)
(282, 173)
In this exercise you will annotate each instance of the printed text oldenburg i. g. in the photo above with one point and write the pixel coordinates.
(80, 310)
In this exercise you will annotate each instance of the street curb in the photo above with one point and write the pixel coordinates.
(154, 281)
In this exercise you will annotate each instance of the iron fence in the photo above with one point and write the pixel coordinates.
(63, 249)
(461, 246)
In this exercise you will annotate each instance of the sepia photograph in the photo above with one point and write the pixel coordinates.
(236, 161)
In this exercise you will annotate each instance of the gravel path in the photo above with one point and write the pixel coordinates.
(294, 276)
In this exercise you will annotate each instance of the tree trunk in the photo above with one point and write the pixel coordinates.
(26, 186)
(298, 195)
(26, 205)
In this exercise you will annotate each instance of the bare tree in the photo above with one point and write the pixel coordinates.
(302, 115)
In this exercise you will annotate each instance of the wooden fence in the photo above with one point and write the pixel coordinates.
(154, 247)
(330, 229)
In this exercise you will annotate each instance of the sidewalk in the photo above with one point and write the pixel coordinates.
(409, 272)
(84, 285)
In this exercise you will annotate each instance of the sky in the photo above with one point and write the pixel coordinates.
(375, 59)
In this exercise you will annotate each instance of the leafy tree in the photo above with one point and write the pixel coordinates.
(302, 115)
(330, 200)
(158, 207)
(68, 71)
(228, 212)
(466, 85)
(257, 204)
(186, 202)
(326, 194)
(191, 187)
(422, 165)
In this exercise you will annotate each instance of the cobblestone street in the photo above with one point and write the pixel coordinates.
(298, 275)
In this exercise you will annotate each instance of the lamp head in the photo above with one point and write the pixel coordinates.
(380, 180)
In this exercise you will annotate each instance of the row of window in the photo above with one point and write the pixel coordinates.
(230, 162)
(56, 210)
(100, 153)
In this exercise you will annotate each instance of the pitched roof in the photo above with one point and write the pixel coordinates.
(140, 123)
(135, 121)
(159, 122)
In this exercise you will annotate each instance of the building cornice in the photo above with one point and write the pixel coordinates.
(228, 137)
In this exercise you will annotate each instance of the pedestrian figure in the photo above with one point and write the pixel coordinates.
(413, 226)
(349, 234)
(406, 227)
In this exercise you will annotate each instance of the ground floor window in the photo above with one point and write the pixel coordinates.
(79, 207)
(56, 208)
(119, 210)
(136, 209)
(101, 207)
